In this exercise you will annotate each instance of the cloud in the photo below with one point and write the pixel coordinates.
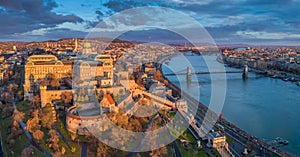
(19, 16)
(44, 34)
(226, 21)
(266, 35)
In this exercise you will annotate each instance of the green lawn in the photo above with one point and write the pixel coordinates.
(67, 145)
(62, 129)
(191, 152)
(188, 136)
(37, 152)
(24, 142)
(171, 114)
(216, 153)
(20, 143)
(24, 107)
(229, 140)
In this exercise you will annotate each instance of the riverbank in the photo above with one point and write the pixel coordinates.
(277, 74)
(231, 129)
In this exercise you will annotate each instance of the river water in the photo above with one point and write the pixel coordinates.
(263, 106)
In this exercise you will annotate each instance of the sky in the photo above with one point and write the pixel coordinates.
(253, 22)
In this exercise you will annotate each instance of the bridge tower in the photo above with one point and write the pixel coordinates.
(245, 72)
(188, 74)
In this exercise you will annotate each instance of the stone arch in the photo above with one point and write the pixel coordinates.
(59, 63)
(30, 63)
(84, 64)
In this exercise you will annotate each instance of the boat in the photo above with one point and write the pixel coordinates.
(284, 142)
(292, 79)
(281, 141)
(274, 76)
(286, 79)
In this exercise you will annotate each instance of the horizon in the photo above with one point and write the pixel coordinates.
(229, 23)
(170, 43)
(149, 78)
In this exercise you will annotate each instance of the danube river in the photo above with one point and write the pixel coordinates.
(263, 106)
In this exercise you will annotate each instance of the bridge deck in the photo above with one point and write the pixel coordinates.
(213, 72)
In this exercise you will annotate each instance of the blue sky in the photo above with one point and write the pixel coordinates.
(259, 22)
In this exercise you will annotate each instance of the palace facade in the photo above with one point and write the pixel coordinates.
(41, 67)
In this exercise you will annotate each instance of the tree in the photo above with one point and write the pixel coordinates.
(44, 83)
(47, 118)
(50, 77)
(53, 140)
(18, 116)
(6, 96)
(11, 142)
(55, 83)
(17, 75)
(103, 150)
(131, 77)
(63, 150)
(166, 82)
(1, 105)
(35, 102)
(38, 134)
(135, 125)
(27, 152)
(157, 75)
(159, 152)
(33, 124)
(13, 88)
(21, 94)
(8, 110)
(139, 80)
(67, 97)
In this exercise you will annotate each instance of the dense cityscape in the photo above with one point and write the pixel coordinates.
(42, 110)
(149, 78)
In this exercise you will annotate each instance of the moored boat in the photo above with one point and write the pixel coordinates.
(274, 76)
(286, 79)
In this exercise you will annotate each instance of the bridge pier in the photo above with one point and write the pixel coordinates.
(188, 74)
(245, 72)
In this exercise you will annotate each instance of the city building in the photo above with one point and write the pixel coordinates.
(1, 77)
(43, 67)
(40, 67)
(217, 139)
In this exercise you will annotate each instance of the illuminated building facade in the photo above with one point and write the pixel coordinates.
(41, 67)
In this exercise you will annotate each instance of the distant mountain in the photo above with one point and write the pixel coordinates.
(63, 44)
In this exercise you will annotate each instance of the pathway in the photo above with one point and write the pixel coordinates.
(83, 145)
(136, 149)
